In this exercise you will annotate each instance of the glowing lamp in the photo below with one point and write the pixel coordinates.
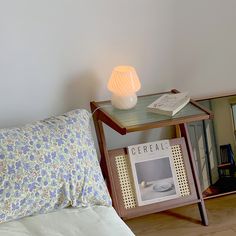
(124, 83)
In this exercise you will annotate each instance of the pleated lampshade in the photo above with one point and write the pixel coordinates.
(124, 81)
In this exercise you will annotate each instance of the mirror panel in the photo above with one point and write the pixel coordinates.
(211, 140)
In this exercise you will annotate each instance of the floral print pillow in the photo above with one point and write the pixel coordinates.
(48, 165)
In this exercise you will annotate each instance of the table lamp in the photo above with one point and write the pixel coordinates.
(124, 83)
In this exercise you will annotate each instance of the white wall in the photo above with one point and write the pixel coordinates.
(57, 55)
(205, 49)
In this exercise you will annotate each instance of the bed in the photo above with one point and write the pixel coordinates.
(51, 182)
(90, 221)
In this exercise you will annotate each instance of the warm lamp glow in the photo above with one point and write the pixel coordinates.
(124, 83)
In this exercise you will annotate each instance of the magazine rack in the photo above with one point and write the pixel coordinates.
(115, 163)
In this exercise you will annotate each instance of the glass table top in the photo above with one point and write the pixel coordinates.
(140, 116)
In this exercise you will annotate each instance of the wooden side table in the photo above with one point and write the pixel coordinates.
(114, 163)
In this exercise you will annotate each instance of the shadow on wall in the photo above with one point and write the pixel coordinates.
(160, 133)
(80, 90)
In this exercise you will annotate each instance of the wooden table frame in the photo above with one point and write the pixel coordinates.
(100, 116)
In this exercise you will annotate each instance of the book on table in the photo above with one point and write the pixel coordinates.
(169, 104)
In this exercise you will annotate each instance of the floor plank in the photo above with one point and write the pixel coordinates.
(186, 220)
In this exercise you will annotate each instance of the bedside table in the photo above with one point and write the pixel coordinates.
(115, 164)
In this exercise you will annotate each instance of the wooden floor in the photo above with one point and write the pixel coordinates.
(186, 220)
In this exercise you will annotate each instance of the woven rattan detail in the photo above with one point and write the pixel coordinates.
(126, 184)
(180, 170)
(126, 180)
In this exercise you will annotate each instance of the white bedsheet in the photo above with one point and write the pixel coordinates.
(97, 220)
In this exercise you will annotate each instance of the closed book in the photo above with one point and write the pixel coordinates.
(169, 104)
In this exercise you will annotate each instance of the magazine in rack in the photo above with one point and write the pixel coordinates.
(153, 172)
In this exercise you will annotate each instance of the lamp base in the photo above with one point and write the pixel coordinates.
(124, 102)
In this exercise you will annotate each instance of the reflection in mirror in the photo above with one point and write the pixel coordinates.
(213, 144)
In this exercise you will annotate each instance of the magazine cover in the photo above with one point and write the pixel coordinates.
(153, 172)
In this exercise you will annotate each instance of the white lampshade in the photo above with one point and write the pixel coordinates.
(124, 83)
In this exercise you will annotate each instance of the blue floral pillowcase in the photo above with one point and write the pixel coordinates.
(49, 165)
